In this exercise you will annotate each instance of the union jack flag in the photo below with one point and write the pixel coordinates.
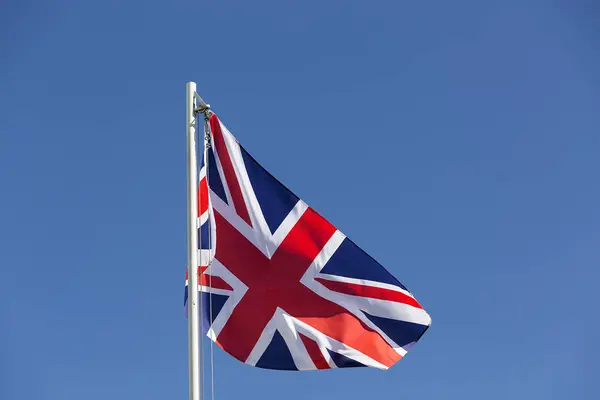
(281, 287)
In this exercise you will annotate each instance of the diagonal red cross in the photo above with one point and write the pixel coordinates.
(276, 283)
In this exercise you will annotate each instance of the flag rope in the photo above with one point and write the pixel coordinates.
(199, 278)
(206, 158)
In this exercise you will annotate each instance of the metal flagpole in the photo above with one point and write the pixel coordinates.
(194, 105)
(193, 233)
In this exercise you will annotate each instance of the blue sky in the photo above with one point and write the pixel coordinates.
(456, 142)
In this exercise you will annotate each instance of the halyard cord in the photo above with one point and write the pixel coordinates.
(206, 158)
(201, 304)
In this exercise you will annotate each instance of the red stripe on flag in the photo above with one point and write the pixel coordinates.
(208, 280)
(229, 170)
(314, 352)
(215, 282)
(369, 291)
(202, 197)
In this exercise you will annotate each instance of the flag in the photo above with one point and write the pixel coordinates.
(284, 289)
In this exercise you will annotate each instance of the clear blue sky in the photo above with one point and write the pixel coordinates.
(456, 142)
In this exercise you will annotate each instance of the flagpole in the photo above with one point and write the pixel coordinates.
(193, 238)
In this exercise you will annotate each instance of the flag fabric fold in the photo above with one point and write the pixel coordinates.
(284, 288)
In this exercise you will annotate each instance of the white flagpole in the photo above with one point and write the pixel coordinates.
(193, 239)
